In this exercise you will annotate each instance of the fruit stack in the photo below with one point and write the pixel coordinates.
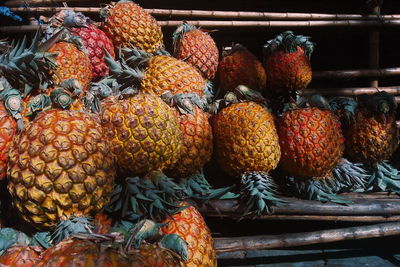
(105, 137)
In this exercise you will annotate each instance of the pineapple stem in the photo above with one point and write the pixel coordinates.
(143, 230)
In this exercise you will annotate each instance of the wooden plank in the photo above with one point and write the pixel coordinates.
(395, 90)
(345, 74)
(246, 243)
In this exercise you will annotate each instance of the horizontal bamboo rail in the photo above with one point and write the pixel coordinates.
(394, 90)
(219, 14)
(221, 24)
(36, 2)
(374, 205)
(246, 243)
(345, 74)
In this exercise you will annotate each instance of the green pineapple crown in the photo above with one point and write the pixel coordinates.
(71, 227)
(30, 67)
(259, 194)
(381, 102)
(9, 237)
(289, 42)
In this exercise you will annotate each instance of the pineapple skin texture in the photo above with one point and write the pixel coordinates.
(149, 255)
(164, 73)
(245, 139)
(95, 40)
(370, 140)
(20, 256)
(8, 128)
(60, 166)
(197, 143)
(191, 227)
(288, 71)
(241, 68)
(199, 50)
(311, 141)
(128, 24)
(80, 252)
(144, 133)
(72, 64)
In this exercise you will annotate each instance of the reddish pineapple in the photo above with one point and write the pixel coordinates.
(287, 62)
(240, 67)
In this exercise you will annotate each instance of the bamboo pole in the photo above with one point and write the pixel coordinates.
(293, 206)
(219, 14)
(221, 24)
(345, 74)
(374, 49)
(36, 2)
(394, 90)
(246, 243)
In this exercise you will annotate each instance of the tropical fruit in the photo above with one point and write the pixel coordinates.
(239, 66)
(287, 62)
(311, 141)
(127, 24)
(190, 226)
(60, 167)
(144, 133)
(196, 47)
(20, 256)
(8, 128)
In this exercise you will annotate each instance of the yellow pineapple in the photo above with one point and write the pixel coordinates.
(60, 167)
(128, 24)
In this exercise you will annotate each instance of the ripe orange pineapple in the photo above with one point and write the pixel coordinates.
(197, 143)
(59, 167)
(8, 128)
(191, 227)
(127, 24)
(20, 256)
(144, 133)
(72, 64)
(82, 252)
(287, 62)
(311, 141)
(156, 74)
(197, 48)
(372, 137)
(246, 139)
(247, 146)
(239, 66)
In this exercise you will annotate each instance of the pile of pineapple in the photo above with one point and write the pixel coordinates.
(105, 134)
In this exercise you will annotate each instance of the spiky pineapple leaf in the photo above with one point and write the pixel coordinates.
(259, 194)
(71, 226)
(384, 177)
(352, 177)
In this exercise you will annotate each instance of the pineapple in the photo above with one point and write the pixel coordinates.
(8, 128)
(239, 66)
(85, 251)
(20, 256)
(158, 74)
(311, 141)
(93, 39)
(246, 139)
(373, 137)
(196, 47)
(247, 146)
(197, 143)
(312, 146)
(144, 133)
(191, 227)
(287, 62)
(72, 64)
(59, 167)
(127, 24)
